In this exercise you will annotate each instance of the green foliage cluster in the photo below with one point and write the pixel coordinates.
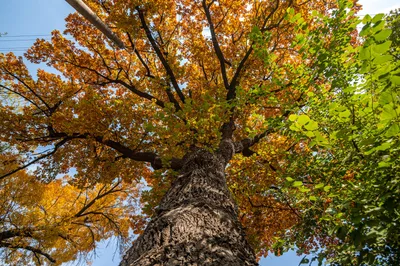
(346, 181)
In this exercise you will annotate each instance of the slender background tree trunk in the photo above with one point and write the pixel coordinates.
(196, 222)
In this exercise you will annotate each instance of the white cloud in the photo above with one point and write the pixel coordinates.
(378, 6)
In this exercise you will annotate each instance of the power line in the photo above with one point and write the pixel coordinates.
(18, 47)
(26, 40)
(24, 35)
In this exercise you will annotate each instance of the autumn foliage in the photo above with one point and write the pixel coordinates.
(59, 220)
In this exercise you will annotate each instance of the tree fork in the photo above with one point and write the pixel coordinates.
(196, 221)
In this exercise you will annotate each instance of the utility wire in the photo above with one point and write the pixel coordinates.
(26, 40)
(24, 35)
(18, 39)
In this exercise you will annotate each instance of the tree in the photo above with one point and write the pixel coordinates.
(197, 107)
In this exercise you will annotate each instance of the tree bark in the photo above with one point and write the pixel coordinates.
(196, 221)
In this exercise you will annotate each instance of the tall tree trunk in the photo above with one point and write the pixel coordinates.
(196, 222)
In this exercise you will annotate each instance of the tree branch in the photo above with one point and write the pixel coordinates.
(244, 145)
(56, 147)
(14, 233)
(25, 98)
(217, 49)
(234, 82)
(30, 248)
(267, 206)
(150, 157)
(232, 86)
(139, 56)
(160, 55)
(81, 212)
(123, 83)
(27, 86)
(287, 202)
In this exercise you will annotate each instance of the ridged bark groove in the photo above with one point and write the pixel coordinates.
(196, 222)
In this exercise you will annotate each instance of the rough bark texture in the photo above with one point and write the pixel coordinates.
(196, 222)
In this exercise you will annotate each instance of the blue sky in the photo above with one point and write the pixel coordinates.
(26, 20)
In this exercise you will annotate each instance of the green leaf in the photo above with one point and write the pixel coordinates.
(378, 26)
(383, 164)
(388, 112)
(304, 189)
(366, 19)
(289, 179)
(382, 59)
(327, 188)
(395, 80)
(366, 67)
(310, 134)
(365, 53)
(297, 184)
(377, 18)
(384, 146)
(382, 35)
(344, 114)
(312, 125)
(369, 151)
(313, 198)
(320, 138)
(320, 185)
(292, 117)
(325, 218)
(385, 98)
(392, 131)
(365, 30)
(294, 127)
(256, 30)
(383, 47)
(303, 119)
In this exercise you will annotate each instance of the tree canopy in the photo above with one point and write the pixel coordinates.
(89, 149)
